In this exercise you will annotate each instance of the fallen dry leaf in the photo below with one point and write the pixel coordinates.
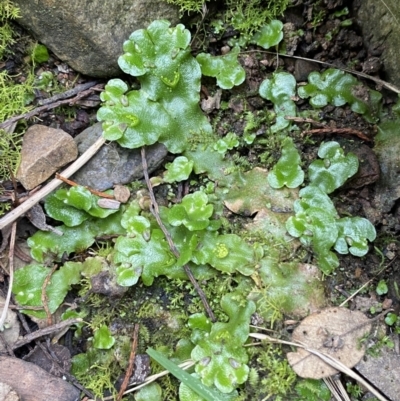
(333, 331)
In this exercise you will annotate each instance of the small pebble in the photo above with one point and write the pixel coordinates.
(108, 203)
(121, 193)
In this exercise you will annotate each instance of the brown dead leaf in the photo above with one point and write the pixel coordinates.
(333, 331)
(37, 217)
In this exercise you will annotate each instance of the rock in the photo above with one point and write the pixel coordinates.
(387, 149)
(88, 34)
(381, 32)
(40, 359)
(11, 329)
(113, 164)
(33, 383)
(383, 371)
(7, 393)
(44, 151)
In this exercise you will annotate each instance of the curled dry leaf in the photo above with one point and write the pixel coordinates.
(37, 217)
(333, 331)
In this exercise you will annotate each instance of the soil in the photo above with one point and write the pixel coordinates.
(327, 41)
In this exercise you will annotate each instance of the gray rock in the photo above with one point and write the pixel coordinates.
(44, 151)
(113, 164)
(383, 371)
(33, 383)
(379, 22)
(88, 34)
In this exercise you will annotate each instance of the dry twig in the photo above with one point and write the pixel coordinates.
(338, 131)
(45, 331)
(92, 191)
(44, 295)
(11, 275)
(46, 107)
(52, 185)
(132, 356)
(327, 359)
(155, 212)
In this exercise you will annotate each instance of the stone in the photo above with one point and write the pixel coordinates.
(33, 383)
(88, 34)
(379, 22)
(44, 151)
(7, 393)
(112, 164)
(383, 371)
(11, 328)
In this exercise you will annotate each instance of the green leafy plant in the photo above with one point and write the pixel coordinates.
(29, 282)
(287, 170)
(229, 142)
(221, 359)
(39, 53)
(382, 287)
(193, 387)
(74, 206)
(338, 88)
(102, 338)
(226, 68)
(313, 390)
(334, 168)
(269, 35)
(152, 392)
(279, 90)
(353, 235)
(166, 109)
(316, 222)
(45, 244)
(178, 170)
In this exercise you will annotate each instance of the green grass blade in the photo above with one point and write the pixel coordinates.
(195, 384)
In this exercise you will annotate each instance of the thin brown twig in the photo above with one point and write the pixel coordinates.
(132, 356)
(155, 212)
(379, 81)
(302, 120)
(11, 274)
(50, 355)
(45, 331)
(17, 307)
(67, 94)
(92, 191)
(46, 107)
(337, 131)
(44, 295)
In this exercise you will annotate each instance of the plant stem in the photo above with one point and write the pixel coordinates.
(174, 250)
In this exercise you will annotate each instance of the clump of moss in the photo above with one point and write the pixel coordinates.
(13, 99)
(8, 12)
(10, 146)
(247, 17)
(188, 6)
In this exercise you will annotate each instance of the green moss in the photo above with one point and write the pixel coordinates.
(270, 377)
(188, 6)
(247, 17)
(8, 12)
(13, 99)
